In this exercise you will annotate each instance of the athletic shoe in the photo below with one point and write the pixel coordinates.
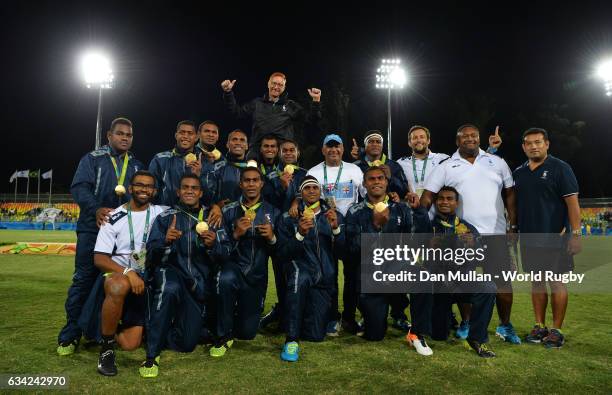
(106, 363)
(219, 351)
(482, 349)
(290, 352)
(537, 334)
(353, 327)
(401, 324)
(272, 316)
(67, 348)
(463, 331)
(333, 329)
(419, 344)
(149, 368)
(360, 328)
(507, 334)
(555, 339)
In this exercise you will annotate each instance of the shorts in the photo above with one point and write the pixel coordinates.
(497, 255)
(540, 259)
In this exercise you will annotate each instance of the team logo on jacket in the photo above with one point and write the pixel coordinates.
(284, 107)
(544, 175)
(268, 218)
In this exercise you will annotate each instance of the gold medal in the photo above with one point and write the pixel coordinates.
(216, 154)
(120, 190)
(380, 207)
(201, 227)
(250, 214)
(377, 163)
(190, 157)
(289, 169)
(251, 163)
(308, 213)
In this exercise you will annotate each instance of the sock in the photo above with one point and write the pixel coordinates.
(108, 342)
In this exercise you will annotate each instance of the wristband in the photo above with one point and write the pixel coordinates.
(336, 231)
(127, 270)
(299, 236)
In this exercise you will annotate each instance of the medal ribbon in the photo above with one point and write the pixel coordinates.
(383, 159)
(146, 227)
(414, 170)
(371, 206)
(121, 177)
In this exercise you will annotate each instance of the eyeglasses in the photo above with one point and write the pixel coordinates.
(143, 186)
(278, 84)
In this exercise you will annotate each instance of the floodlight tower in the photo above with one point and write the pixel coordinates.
(390, 76)
(604, 71)
(97, 73)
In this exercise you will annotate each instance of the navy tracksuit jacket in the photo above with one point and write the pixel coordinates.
(242, 280)
(374, 307)
(311, 270)
(179, 282)
(168, 167)
(93, 187)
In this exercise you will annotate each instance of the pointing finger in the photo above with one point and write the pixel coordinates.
(173, 224)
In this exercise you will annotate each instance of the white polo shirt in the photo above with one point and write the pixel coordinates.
(416, 181)
(114, 236)
(479, 186)
(349, 187)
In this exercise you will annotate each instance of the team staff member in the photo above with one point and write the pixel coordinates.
(479, 178)
(118, 294)
(455, 232)
(341, 185)
(308, 247)
(547, 202)
(242, 281)
(181, 255)
(398, 187)
(169, 166)
(98, 186)
(392, 218)
(274, 113)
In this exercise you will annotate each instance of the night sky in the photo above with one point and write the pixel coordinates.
(169, 61)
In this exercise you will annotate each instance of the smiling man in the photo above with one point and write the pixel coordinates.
(169, 166)
(274, 113)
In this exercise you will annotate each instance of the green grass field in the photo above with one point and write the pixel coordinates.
(33, 289)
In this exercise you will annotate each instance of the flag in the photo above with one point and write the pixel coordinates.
(13, 177)
(34, 173)
(22, 174)
(47, 175)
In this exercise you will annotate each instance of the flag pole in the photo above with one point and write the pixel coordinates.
(50, 186)
(38, 197)
(16, 182)
(28, 189)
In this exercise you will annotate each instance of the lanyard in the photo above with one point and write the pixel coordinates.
(414, 170)
(146, 227)
(120, 177)
(371, 206)
(447, 225)
(380, 161)
(337, 178)
(198, 218)
(263, 169)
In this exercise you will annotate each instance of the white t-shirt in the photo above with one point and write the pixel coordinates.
(349, 187)
(418, 183)
(114, 236)
(479, 186)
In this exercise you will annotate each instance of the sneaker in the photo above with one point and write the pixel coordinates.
(333, 329)
(149, 368)
(419, 344)
(360, 328)
(67, 348)
(507, 334)
(353, 327)
(219, 351)
(463, 331)
(106, 363)
(272, 316)
(537, 334)
(290, 352)
(401, 324)
(482, 349)
(555, 339)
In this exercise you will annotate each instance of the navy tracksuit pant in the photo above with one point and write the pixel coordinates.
(482, 310)
(239, 303)
(375, 308)
(83, 279)
(307, 305)
(174, 319)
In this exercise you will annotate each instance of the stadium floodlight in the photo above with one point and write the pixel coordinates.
(604, 71)
(98, 74)
(390, 75)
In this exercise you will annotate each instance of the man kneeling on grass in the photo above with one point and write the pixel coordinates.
(181, 257)
(119, 291)
(309, 245)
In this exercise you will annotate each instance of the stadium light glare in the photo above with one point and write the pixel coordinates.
(604, 72)
(98, 74)
(390, 76)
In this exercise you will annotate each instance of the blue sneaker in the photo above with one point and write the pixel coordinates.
(463, 331)
(290, 352)
(333, 329)
(507, 334)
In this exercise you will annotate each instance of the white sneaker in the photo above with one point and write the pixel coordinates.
(419, 344)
